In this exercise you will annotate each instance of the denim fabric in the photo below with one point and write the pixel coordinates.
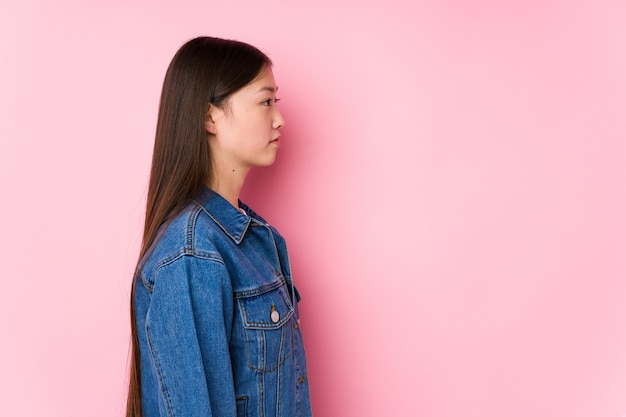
(217, 318)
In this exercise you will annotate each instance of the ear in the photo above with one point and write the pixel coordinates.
(209, 120)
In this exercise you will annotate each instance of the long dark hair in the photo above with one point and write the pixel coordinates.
(205, 71)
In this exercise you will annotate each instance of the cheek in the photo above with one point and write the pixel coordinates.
(259, 123)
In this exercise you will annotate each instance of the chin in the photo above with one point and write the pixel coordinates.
(266, 163)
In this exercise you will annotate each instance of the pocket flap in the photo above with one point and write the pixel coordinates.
(268, 310)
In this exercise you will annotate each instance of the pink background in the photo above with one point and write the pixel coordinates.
(452, 186)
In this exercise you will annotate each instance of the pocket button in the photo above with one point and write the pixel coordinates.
(275, 316)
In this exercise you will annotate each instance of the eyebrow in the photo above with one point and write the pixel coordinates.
(268, 88)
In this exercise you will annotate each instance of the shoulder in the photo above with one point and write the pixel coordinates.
(192, 233)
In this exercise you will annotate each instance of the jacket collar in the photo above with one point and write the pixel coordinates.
(233, 222)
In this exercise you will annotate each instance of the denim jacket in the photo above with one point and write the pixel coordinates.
(217, 318)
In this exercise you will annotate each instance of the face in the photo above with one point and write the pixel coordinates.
(245, 133)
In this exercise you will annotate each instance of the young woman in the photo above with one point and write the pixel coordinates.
(214, 311)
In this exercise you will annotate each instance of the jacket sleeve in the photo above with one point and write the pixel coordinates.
(188, 327)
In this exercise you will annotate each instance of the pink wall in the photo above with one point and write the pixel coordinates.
(452, 185)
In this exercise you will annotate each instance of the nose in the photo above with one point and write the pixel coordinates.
(278, 121)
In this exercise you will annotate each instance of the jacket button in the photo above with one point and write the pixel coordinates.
(297, 325)
(275, 316)
(301, 380)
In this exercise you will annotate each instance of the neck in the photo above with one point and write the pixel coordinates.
(228, 183)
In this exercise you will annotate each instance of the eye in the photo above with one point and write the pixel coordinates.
(268, 102)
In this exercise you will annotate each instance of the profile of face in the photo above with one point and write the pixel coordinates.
(245, 132)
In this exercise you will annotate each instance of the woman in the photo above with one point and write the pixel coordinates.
(214, 311)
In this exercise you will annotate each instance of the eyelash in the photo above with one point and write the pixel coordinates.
(269, 100)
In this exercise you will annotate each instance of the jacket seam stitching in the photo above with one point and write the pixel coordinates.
(260, 290)
(157, 365)
(199, 254)
(191, 228)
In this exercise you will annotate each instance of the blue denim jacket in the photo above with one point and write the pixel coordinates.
(217, 318)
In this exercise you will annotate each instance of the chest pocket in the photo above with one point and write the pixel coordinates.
(265, 315)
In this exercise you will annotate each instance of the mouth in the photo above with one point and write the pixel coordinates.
(276, 140)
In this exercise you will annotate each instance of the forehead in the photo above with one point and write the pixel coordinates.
(263, 83)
